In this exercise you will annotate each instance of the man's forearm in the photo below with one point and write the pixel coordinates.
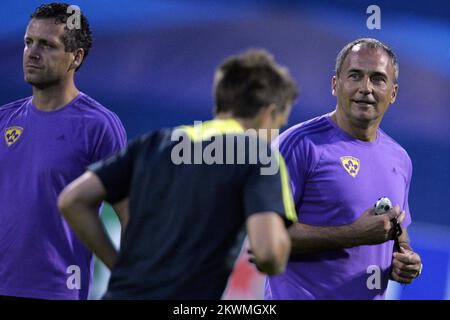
(87, 225)
(308, 239)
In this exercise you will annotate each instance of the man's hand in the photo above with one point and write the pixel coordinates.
(406, 266)
(269, 240)
(371, 228)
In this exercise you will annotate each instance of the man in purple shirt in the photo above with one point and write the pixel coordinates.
(340, 164)
(48, 140)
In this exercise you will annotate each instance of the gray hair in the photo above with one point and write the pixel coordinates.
(371, 43)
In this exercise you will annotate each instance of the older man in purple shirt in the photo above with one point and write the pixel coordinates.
(339, 165)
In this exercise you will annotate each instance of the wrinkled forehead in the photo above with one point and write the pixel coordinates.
(369, 59)
(46, 29)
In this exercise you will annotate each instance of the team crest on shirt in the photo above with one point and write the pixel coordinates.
(351, 165)
(12, 134)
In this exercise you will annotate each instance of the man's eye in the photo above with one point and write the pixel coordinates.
(48, 45)
(354, 76)
(378, 79)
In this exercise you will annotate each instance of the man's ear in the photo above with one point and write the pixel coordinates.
(265, 115)
(394, 93)
(273, 111)
(333, 85)
(77, 59)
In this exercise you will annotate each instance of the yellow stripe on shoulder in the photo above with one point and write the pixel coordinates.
(205, 130)
(288, 200)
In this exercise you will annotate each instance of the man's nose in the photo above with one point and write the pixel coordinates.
(33, 52)
(366, 86)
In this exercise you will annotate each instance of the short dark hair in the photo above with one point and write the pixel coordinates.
(371, 43)
(72, 39)
(247, 82)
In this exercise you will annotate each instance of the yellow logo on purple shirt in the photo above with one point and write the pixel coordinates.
(12, 134)
(351, 165)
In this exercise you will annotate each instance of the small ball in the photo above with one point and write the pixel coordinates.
(382, 205)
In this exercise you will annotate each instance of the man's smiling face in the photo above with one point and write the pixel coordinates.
(365, 86)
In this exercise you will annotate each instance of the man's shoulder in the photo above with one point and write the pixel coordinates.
(393, 145)
(315, 131)
(14, 105)
(93, 111)
(158, 139)
(89, 106)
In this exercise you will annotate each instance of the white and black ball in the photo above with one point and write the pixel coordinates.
(383, 205)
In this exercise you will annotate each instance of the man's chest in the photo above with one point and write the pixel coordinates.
(346, 182)
(42, 147)
(357, 171)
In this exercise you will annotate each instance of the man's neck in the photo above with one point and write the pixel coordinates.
(54, 97)
(363, 132)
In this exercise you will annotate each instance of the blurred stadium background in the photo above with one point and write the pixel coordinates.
(152, 63)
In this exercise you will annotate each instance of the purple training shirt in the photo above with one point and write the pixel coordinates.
(334, 179)
(40, 153)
